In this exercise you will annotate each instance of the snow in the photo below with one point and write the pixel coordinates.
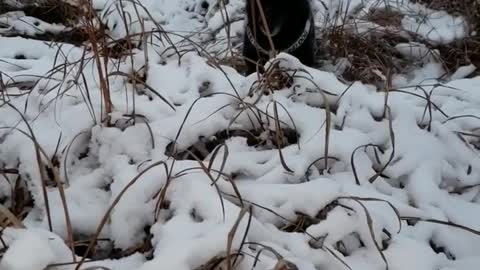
(124, 170)
(42, 247)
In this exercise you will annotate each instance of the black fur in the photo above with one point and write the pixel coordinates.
(286, 21)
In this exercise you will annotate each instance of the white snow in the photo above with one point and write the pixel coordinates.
(435, 147)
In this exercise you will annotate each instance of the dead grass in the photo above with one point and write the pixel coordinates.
(235, 62)
(468, 8)
(375, 51)
(50, 11)
(366, 54)
(385, 17)
(255, 138)
(461, 53)
(465, 51)
(303, 221)
(54, 12)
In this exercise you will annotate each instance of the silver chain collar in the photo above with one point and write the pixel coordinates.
(290, 49)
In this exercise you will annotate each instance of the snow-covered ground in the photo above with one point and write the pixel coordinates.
(388, 179)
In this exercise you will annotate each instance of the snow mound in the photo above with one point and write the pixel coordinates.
(195, 164)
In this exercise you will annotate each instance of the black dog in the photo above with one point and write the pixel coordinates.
(290, 26)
